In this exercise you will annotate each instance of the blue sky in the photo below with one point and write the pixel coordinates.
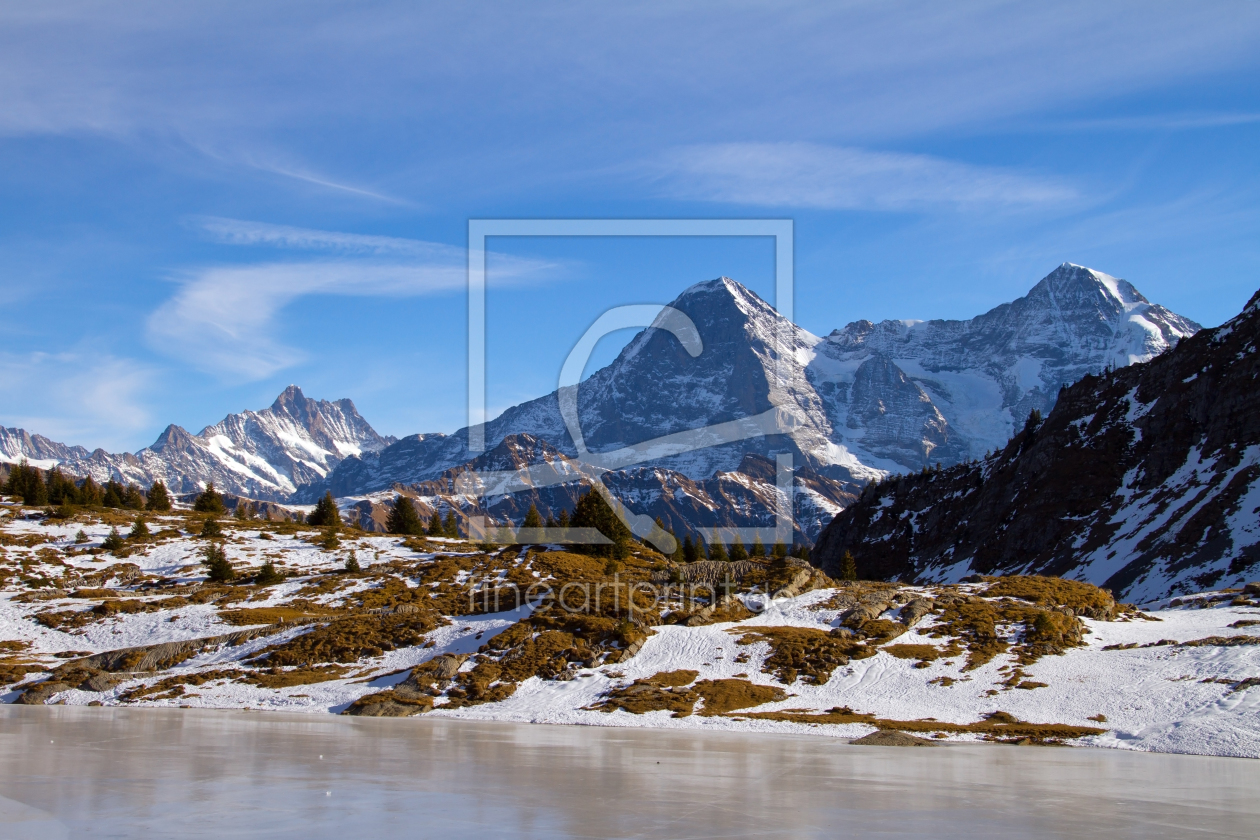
(200, 204)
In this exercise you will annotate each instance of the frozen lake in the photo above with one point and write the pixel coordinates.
(80, 772)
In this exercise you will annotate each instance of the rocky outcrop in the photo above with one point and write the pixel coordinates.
(1145, 480)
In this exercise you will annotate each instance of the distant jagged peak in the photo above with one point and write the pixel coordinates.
(1072, 286)
(172, 437)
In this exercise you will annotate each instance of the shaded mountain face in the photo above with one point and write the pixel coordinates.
(264, 454)
(1145, 480)
(19, 444)
(868, 399)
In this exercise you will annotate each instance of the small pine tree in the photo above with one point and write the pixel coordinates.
(436, 529)
(352, 564)
(211, 530)
(90, 494)
(532, 518)
(81, 537)
(690, 552)
(738, 552)
(593, 511)
(27, 482)
(61, 490)
(133, 499)
(139, 531)
(113, 495)
(242, 510)
(779, 552)
(403, 518)
(325, 512)
(563, 520)
(209, 500)
(159, 499)
(113, 541)
(218, 566)
(450, 527)
(758, 548)
(677, 554)
(848, 567)
(329, 541)
(717, 552)
(268, 575)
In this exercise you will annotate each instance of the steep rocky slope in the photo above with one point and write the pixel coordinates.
(264, 454)
(1145, 480)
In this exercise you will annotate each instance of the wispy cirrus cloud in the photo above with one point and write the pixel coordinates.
(839, 177)
(226, 319)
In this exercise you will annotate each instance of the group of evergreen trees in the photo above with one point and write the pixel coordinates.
(52, 487)
(403, 519)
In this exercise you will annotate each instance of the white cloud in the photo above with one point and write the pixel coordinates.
(225, 319)
(73, 396)
(835, 177)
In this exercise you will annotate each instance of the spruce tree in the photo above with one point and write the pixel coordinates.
(758, 548)
(738, 552)
(90, 494)
(436, 529)
(593, 511)
(450, 527)
(211, 530)
(690, 552)
(403, 518)
(113, 496)
(242, 510)
(562, 521)
(61, 490)
(139, 531)
(27, 482)
(717, 552)
(159, 499)
(532, 518)
(677, 554)
(325, 512)
(267, 575)
(779, 552)
(848, 567)
(133, 499)
(352, 564)
(218, 566)
(114, 541)
(329, 541)
(209, 500)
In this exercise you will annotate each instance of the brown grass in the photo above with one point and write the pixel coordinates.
(280, 678)
(803, 652)
(975, 622)
(995, 726)
(669, 692)
(1051, 592)
(924, 653)
(351, 639)
(270, 615)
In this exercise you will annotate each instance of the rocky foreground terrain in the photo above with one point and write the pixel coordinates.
(429, 626)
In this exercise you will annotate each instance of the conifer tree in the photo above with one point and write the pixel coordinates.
(738, 552)
(593, 511)
(268, 575)
(352, 564)
(209, 501)
(61, 490)
(848, 567)
(139, 531)
(758, 548)
(325, 512)
(532, 518)
(403, 518)
(562, 521)
(330, 541)
(450, 527)
(677, 554)
(436, 529)
(113, 541)
(81, 537)
(690, 552)
(113, 495)
(132, 498)
(779, 552)
(26, 481)
(90, 494)
(717, 552)
(159, 499)
(242, 510)
(211, 530)
(218, 566)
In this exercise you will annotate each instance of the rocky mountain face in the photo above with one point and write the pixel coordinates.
(264, 454)
(37, 450)
(868, 399)
(1145, 480)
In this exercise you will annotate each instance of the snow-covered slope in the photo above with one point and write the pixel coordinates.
(1145, 480)
(264, 454)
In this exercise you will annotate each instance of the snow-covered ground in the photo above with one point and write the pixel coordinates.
(1164, 698)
